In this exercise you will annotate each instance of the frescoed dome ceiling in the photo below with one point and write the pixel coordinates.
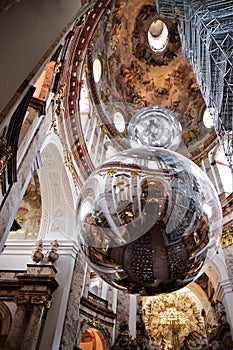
(129, 75)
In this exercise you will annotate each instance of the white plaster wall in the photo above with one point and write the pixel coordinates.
(57, 192)
(53, 328)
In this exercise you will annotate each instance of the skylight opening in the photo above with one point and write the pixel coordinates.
(158, 36)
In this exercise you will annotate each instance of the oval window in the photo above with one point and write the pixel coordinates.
(158, 36)
(97, 70)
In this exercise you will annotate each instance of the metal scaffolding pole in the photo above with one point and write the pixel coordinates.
(206, 32)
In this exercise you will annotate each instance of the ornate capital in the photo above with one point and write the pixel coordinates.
(227, 237)
(33, 299)
(22, 299)
(39, 299)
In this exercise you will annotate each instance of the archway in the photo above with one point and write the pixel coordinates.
(92, 339)
(57, 193)
(5, 323)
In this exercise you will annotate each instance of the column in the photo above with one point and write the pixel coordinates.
(14, 337)
(32, 332)
(132, 315)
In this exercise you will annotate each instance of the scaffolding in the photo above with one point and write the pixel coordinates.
(206, 32)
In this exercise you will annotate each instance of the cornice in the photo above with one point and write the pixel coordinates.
(69, 122)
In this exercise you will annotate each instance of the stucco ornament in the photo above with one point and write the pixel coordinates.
(174, 320)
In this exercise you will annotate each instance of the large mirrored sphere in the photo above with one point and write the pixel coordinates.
(156, 127)
(149, 221)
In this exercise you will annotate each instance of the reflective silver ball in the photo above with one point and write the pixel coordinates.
(149, 221)
(155, 127)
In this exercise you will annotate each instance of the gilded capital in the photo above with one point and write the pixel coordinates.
(227, 237)
(21, 299)
(41, 299)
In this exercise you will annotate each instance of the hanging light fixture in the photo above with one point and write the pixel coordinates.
(149, 219)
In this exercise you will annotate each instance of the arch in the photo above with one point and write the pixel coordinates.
(58, 192)
(96, 326)
(218, 275)
(92, 339)
(9, 175)
(202, 298)
(5, 323)
(217, 271)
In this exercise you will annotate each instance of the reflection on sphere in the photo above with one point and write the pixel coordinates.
(155, 126)
(149, 221)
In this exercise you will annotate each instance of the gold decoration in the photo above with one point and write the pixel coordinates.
(134, 174)
(199, 159)
(85, 66)
(111, 173)
(68, 160)
(48, 304)
(58, 107)
(57, 66)
(189, 135)
(227, 237)
(102, 127)
(53, 126)
(95, 322)
(37, 255)
(5, 156)
(21, 299)
(38, 299)
(81, 22)
(172, 320)
(52, 254)
(33, 299)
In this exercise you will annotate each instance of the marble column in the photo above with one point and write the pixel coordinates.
(32, 331)
(14, 337)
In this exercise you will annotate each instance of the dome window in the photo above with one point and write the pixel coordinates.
(158, 36)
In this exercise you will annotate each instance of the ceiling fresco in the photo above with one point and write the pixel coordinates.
(133, 76)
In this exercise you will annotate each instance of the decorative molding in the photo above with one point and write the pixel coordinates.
(52, 254)
(95, 306)
(200, 158)
(58, 107)
(37, 255)
(57, 66)
(227, 237)
(5, 156)
(33, 299)
(21, 299)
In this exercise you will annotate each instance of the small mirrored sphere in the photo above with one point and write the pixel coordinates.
(155, 126)
(149, 221)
